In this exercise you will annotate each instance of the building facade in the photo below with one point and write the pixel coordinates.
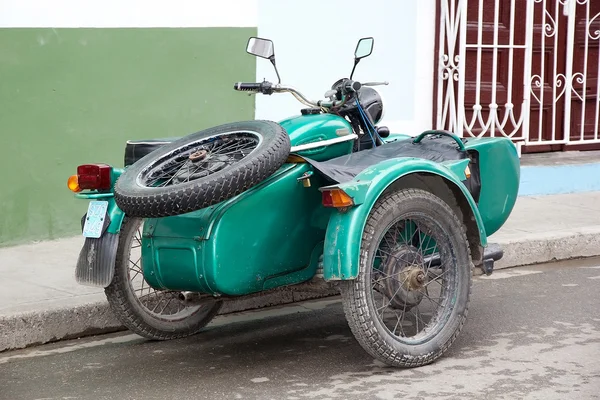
(80, 78)
(525, 69)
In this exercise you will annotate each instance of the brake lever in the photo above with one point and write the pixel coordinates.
(376, 83)
(330, 94)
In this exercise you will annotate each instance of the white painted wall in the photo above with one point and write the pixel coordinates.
(127, 13)
(314, 47)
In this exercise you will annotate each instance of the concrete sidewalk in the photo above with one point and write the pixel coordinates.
(41, 302)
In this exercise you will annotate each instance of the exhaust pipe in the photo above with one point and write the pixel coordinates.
(194, 298)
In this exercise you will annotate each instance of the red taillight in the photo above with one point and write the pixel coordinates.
(94, 176)
(327, 200)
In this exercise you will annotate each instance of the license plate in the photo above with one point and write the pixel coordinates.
(95, 219)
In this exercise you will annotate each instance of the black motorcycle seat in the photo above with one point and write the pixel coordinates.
(136, 149)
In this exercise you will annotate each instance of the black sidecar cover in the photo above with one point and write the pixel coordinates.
(433, 148)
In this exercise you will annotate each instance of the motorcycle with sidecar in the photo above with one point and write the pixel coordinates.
(326, 199)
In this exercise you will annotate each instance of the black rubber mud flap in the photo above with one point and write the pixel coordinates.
(96, 263)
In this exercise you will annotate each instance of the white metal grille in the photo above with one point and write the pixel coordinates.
(544, 79)
(587, 114)
(448, 67)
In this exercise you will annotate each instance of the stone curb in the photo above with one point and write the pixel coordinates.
(23, 330)
(555, 246)
(34, 328)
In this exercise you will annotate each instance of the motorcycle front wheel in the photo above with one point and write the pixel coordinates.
(151, 313)
(411, 297)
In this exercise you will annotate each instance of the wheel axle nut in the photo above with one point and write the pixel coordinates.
(198, 155)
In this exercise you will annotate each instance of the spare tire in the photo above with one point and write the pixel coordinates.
(202, 169)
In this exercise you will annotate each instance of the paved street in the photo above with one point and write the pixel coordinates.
(532, 333)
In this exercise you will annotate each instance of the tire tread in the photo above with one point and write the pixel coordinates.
(215, 188)
(127, 313)
(353, 292)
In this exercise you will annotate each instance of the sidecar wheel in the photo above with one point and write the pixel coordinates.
(410, 299)
(202, 169)
(151, 313)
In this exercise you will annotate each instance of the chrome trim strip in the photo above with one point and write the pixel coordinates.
(140, 142)
(321, 143)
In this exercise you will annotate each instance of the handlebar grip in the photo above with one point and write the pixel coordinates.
(352, 86)
(247, 86)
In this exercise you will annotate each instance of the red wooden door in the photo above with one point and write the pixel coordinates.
(496, 75)
(506, 69)
(548, 80)
(586, 65)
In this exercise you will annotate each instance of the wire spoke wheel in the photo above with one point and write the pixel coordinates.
(152, 313)
(202, 169)
(164, 305)
(410, 298)
(412, 279)
(199, 159)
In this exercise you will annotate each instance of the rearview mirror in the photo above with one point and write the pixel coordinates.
(263, 48)
(260, 47)
(364, 48)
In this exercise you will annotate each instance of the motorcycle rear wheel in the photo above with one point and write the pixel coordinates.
(202, 169)
(154, 314)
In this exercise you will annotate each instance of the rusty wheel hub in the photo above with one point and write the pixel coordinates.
(413, 277)
(199, 155)
(405, 275)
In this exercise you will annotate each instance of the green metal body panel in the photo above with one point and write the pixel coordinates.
(305, 129)
(225, 248)
(496, 201)
(500, 176)
(343, 239)
(268, 236)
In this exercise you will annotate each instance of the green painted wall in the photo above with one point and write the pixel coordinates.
(74, 96)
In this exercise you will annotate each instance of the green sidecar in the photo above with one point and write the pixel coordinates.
(325, 201)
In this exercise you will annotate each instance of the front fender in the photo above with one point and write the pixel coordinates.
(345, 229)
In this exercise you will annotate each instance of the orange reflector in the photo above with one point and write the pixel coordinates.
(337, 198)
(73, 184)
(468, 172)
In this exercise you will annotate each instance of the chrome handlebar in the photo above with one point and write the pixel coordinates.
(269, 88)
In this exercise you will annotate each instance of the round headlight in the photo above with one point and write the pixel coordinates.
(372, 102)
